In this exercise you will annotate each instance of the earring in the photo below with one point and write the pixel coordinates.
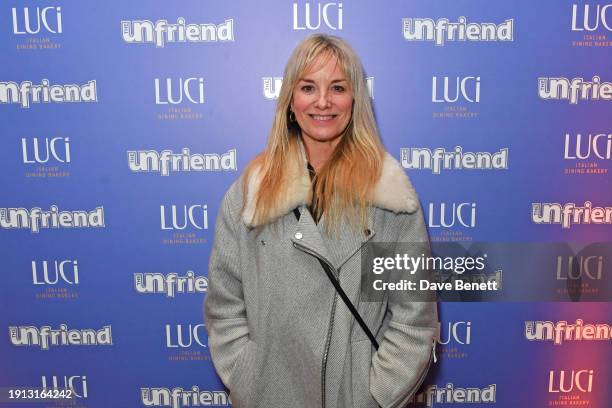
(291, 118)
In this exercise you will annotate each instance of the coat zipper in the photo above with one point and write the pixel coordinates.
(330, 325)
(326, 350)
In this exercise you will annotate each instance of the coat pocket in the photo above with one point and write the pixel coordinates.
(243, 376)
(361, 359)
(401, 364)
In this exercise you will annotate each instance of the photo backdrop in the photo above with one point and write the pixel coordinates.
(124, 123)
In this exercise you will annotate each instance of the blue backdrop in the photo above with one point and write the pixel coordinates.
(104, 240)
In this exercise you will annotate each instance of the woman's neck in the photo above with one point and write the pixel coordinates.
(318, 152)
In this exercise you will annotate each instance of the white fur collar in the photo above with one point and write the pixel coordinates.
(393, 191)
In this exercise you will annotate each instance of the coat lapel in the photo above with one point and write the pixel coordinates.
(335, 250)
(348, 241)
(307, 235)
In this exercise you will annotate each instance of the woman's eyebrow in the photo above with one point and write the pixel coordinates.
(333, 80)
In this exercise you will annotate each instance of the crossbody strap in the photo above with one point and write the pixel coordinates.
(343, 296)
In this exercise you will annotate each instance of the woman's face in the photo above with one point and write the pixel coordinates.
(322, 100)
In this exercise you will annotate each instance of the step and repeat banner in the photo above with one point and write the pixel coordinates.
(124, 123)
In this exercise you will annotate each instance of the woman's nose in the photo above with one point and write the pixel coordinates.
(323, 100)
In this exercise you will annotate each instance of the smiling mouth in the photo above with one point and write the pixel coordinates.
(322, 117)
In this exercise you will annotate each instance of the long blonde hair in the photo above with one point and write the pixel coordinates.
(344, 184)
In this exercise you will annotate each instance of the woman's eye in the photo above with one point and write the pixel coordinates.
(338, 88)
(307, 88)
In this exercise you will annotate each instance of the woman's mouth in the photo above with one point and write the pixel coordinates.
(322, 118)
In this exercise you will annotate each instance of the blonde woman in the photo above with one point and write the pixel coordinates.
(281, 332)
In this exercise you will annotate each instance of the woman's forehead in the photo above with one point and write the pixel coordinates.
(325, 61)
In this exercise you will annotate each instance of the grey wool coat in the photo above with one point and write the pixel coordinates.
(280, 336)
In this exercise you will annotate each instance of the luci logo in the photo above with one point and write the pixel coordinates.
(577, 148)
(196, 216)
(184, 337)
(590, 266)
(60, 153)
(582, 380)
(463, 213)
(468, 88)
(323, 12)
(67, 270)
(47, 18)
(191, 88)
(590, 21)
(458, 332)
(76, 383)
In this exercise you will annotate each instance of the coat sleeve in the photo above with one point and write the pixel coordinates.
(405, 353)
(224, 307)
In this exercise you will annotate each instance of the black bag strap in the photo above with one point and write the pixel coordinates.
(343, 295)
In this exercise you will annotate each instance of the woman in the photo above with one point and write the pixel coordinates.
(278, 333)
